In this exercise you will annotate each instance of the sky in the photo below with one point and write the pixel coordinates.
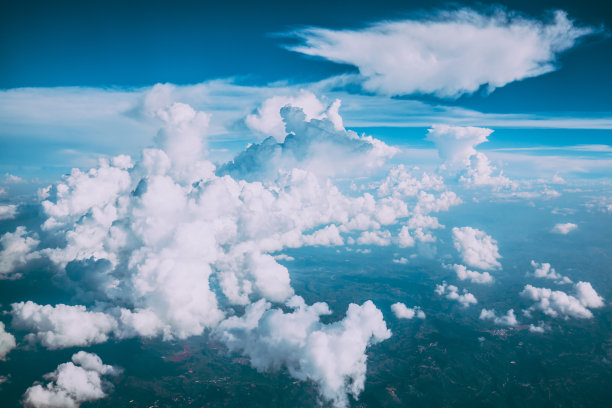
(306, 188)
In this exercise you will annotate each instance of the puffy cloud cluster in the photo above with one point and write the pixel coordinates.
(401, 311)
(451, 292)
(17, 250)
(456, 147)
(332, 355)
(564, 228)
(509, 319)
(546, 271)
(7, 342)
(62, 326)
(556, 303)
(167, 246)
(72, 383)
(449, 54)
(8, 211)
(476, 248)
(464, 273)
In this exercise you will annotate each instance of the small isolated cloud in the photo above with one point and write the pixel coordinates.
(556, 303)
(7, 212)
(451, 292)
(476, 248)
(464, 273)
(331, 355)
(401, 311)
(11, 178)
(447, 54)
(539, 328)
(17, 250)
(509, 319)
(565, 228)
(7, 342)
(546, 271)
(72, 383)
(62, 326)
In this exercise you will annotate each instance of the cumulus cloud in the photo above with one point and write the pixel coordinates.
(539, 328)
(62, 326)
(564, 228)
(17, 250)
(316, 145)
(381, 238)
(449, 53)
(451, 292)
(401, 311)
(331, 355)
(556, 303)
(7, 342)
(546, 271)
(509, 319)
(464, 273)
(268, 121)
(72, 383)
(457, 148)
(476, 248)
(8, 211)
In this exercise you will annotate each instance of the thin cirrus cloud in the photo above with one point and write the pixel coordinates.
(448, 55)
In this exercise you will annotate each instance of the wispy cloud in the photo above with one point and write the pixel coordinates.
(448, 54)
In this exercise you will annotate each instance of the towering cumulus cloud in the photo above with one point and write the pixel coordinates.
(457, 148)
(447, 55)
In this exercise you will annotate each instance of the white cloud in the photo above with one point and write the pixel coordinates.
(62, 326)
(332, 356)
(546, 271)
(72, 383)
(464, 273)
(382, 238)
(7, 342)
(476, 248)
(448, 54)
(8, 211)
(17, 250)
(509, 319)
(177, 245)
(401, 311)
(316, 145)
(268, 121)
(451, 292)
(564, 228)
(539, 328)
(456, 147)
(556, 303)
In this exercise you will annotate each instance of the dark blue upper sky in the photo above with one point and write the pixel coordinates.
(136, 43)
